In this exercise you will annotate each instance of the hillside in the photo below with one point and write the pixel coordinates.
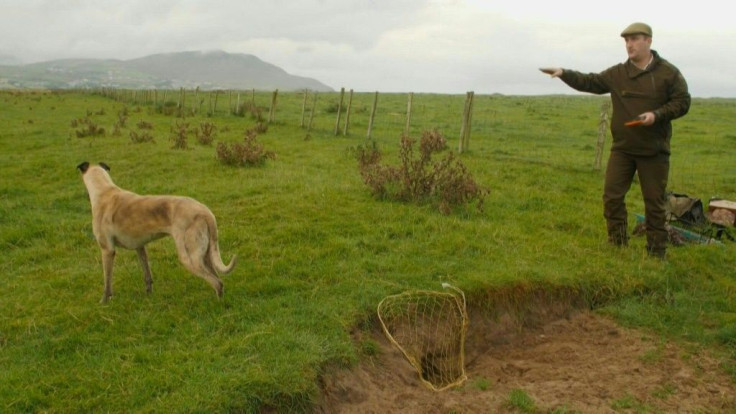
(206, 70)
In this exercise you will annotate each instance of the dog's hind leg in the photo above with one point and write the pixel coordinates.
(108, 258)
(214, 281)
(195, 264)
(143, 258)
(192, 247)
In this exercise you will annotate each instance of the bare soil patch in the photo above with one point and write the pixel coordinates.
(574, 362)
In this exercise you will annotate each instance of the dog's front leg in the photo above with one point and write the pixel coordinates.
(143, 258)
(108, 257)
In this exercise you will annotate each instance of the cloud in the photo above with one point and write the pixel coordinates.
(135, 28)
(447, 46)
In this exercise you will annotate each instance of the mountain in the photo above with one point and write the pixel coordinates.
(206, 70)
(9, 60)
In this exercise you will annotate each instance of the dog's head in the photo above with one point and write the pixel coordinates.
(83, 167)
(95, 177)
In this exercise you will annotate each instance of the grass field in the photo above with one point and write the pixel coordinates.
(316, 251)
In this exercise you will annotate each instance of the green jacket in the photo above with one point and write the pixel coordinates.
(660, 88)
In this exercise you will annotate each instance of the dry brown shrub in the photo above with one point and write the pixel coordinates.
(417, 178)
(248, 153)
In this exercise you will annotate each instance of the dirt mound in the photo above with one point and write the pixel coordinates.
(579, 362)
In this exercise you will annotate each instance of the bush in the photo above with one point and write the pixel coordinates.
(89, 128)
(144, 125)
(333, 108)
(260, 127)
(248, 153)
(179, 133)
(256, 112)
(168, 108)
(206, 133)
(446, 183)
(140, 138)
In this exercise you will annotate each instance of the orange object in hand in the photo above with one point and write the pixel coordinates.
(639, 120)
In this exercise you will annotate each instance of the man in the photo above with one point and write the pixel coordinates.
(652, 92)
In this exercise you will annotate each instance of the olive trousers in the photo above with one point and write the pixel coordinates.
(653, 172)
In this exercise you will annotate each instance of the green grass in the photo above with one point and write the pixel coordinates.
(520, 401)
(481, 384)
(631, 404)
(317, 252)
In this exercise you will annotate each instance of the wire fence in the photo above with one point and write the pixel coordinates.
(566, 131)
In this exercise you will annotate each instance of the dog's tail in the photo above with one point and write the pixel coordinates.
(220, 265)
(213, 250)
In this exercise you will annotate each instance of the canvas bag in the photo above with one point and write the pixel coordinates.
(685, 209)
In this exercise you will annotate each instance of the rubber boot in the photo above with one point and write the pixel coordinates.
(657, 252)
(618, 235)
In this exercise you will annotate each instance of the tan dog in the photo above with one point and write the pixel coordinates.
(128, 220)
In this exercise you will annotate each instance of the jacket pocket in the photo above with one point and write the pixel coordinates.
(635, 94)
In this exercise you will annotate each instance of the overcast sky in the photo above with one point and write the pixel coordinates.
(444, 46)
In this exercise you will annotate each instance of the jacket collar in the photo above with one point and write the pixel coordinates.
(633, 71)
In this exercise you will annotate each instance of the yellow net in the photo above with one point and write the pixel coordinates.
(429, 328)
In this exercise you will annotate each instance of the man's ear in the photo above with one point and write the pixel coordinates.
(105, 166)
(83, 167)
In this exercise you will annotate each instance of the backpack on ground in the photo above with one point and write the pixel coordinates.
(685, 209)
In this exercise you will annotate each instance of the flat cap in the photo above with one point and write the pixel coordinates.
(637, 28)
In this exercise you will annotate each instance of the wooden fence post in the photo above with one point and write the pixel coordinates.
(373, 115)
(466, 123)
(339, 111)
(304, 107)
(347, 114)
(408, 114)
(470, 120)
(311, 115)
(602, 128)
(272, 111)
(195, 102)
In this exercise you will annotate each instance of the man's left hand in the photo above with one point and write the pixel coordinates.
(647, 118)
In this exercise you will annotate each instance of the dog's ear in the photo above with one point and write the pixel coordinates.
(83, 167)
(105, 166)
